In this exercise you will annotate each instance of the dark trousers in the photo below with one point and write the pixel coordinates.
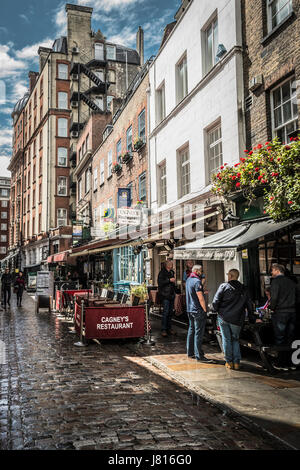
(168, 307)
(19, 296)
(6, 295)
(284, 325)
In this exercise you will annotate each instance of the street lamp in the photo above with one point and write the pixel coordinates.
(230, 220)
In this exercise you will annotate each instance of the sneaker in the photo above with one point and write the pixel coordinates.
(278, 367)
(164, 334)
(236, 366)
(204, 359)
(292, 368)
(229, 365)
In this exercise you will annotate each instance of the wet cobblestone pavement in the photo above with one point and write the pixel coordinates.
(57, 396)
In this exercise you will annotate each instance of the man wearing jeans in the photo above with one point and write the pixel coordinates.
(166, 288)
(231, 302)
(196, 310)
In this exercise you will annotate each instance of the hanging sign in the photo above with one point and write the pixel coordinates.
(124, 197)
(129, 217)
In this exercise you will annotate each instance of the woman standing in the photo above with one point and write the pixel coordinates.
(19, 286)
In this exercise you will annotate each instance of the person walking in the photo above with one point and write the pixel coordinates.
(196, 311)
(6, 281)
(166, 289)
(19, 286)
(231, 302)
(283, 303)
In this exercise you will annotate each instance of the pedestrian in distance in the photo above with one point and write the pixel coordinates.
(166, 289)
(6, 282)
(283, 302)
(197, 314)
(19, 286)
(231, 301)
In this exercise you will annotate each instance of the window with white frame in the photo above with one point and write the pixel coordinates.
(142, 125)
(62, 127)
(181, 77)
(119, 150)
(95, 178)
(99, 102)
(109, 99)
(183, 160)
(62, 100)
(109, 163)
(62, 156)
(63, 71)
(87, 180)
(162, 174)
(277, 11)
(62, 217)
(142, 187)
(100, 74)
(3, 226)
(215, 153)
(210, 35)
(3, 238)
(4, 215)
(99, 51)
(160, 104)
(62, 186)
(111, 76)
(284, 109)
(4, 192)
(3, 250)
(79, 189)
(87, 142)
(110, 52)
(101, 171)
(4, 203)
(129, 139)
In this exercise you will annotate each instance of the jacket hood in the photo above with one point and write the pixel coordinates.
(236, 285)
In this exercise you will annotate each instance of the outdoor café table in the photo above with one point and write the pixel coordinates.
(60, 294)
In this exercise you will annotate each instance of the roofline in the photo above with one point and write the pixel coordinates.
(70, 6)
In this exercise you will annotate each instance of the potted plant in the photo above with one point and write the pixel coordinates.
(138, 144)
(139, 291)
(117, 167)
(127, 157)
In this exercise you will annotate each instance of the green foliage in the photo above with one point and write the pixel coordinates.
(139, 291)
(273, 169)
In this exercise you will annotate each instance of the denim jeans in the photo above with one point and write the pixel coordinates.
(230, 339)
(168, 307)
(195, 334)
(6, 295)
(284, 325)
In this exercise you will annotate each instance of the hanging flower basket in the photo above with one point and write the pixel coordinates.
(271, 170)
(117, 167)
(138, 144)
(127, 157)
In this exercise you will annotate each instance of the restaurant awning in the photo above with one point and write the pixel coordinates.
(50, 259)
(59, 257)
(224, 245)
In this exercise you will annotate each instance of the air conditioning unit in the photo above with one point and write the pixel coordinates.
(75, 50)
(75, 77)
(255, 82)
(74, 134)
(74, 104)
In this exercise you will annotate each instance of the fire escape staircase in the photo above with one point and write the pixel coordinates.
(101, 87)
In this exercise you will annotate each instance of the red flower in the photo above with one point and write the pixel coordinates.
(250, 153)
(256, 169)
(225, 164)
(271, 198)
(288, 147)
(245, 151)
(238, 185)
(238, 175)
(260, 177)
(233, 178)
(237, 164)
(290, 202)
(259, 146)
(271, 159)
(267, 143)
(222, 168)
(243, 160)
(279, 159)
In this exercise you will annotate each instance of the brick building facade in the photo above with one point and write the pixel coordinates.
(4, 216)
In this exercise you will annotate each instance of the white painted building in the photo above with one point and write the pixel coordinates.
(196, 104)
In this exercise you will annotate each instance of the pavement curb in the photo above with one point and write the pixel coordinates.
(223, 407)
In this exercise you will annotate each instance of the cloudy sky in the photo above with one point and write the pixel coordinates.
(27, 24)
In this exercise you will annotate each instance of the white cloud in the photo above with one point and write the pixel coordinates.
(60, 20)
(31, 52)
(126, 37)
(4, 162)
(19, 90)
(6, 137)
(24, 17)
(109, 5)
(6, 110)
(8, 65)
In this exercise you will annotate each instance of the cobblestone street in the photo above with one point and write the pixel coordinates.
(57, 396)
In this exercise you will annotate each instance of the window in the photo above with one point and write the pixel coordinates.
(62, 100)
(99, 51)
(183, 172)
(142, 126)
(129, 139)
(215, 155)
(101, 171)
(100, 74)
(211, 45)
(80, 189)
(62, 186)
(87, 181)
(284, 110)
(87, 142)
(4, 215)
(41, 86)
(4, 203)
(99, 102)
(181, 80)
(142, 187)
(4, 192)
(80, 154)
(63, 71)
(3, 226)
(109, 102)
(162, 170)
(160, 104)
(278, 10)
(119, 151)
(3, 250)
(62, 156)
(110, 52)
(41, 139)
(62, 218)
(41, 162)
(62, 127)
(95, 178)
(40, 192)
(109, 163)
(3, 238)
(112, 76)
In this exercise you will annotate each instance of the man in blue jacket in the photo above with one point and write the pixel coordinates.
(231, 302)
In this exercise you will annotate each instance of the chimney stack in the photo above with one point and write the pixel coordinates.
(32, 80)
(43, 53)
(140, 44)
(79, 30)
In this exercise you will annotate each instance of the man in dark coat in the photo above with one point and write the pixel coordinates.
(166, 289)
(6, 281)
(231, 302)
(283, 303)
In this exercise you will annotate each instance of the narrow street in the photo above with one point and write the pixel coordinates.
(57, 396)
